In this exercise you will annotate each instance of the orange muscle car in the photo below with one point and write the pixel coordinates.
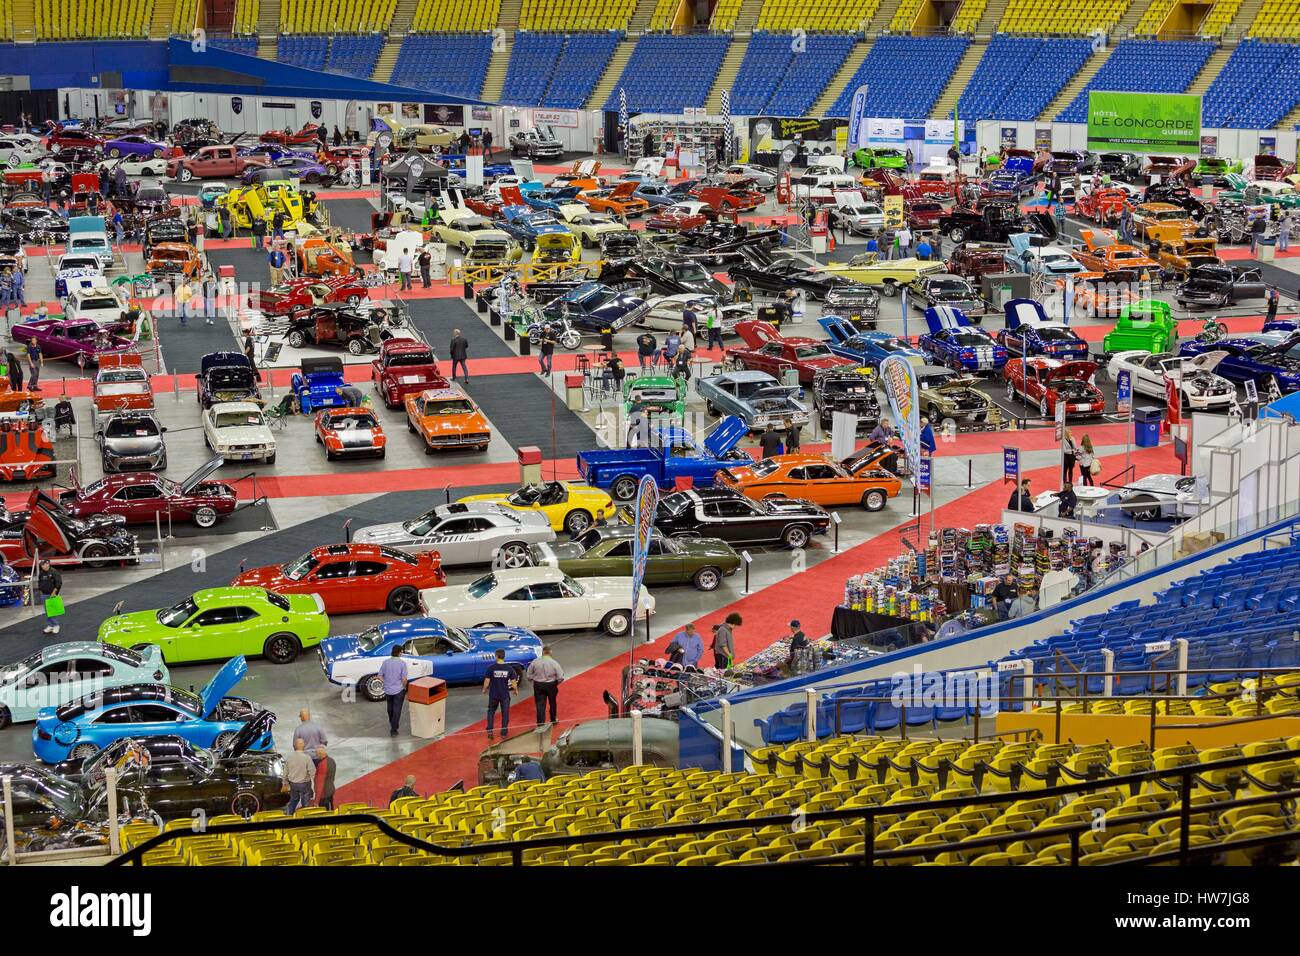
(447, 418)
(862, 478)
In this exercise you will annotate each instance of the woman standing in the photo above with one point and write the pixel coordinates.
(1087, 460)
(1068, 457)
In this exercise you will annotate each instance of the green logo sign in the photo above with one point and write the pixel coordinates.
(1144, 122)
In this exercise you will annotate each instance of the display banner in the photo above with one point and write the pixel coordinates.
(564, 119)
(923, 476)
(1010, 465)
(1144, 122)
(898, 378)
(1124, 392)
(856, 115)
(647, 500)
(885, 132)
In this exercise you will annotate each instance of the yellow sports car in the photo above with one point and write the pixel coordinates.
(263, 201)
(889, 275)
(570, 507)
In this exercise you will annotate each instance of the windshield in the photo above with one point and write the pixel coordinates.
(448, 406)
(955, 286)
(969, 338)
(177, 614)
(370, 638)
(131, 428)
(482, 587)
(239, 419)
(762, 469)
(690, 273)
(421, 525)
(102, 302)
(812, 352)
(1049, 334)
(353, 422)
(299, 568)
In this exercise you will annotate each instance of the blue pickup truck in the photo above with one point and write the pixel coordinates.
(673, 454)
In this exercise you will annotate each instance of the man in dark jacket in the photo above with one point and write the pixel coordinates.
(648, 145)
(1068, 499)
(1004, 594)
(770, 442)
(49, 582)
(325, 770)
(425, 261)
(459, 351)
(646, 346)
(1021, 499)
(406, 790)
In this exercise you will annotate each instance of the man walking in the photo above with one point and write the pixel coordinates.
(546, 352)
(299, 772)
(49, 582)
(259, 233)
(34, 362)
(459, 352)
(499, 684)
(404, 267)
(393, 673)
(546, 675)
(309, 732)
(324, 780)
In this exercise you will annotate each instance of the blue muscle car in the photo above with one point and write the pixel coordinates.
(867, 348)
(1028, 331)
(592, 307)
(82, 728)
(525, 225)
(1009, 181)
(1249, 359)
(551, 198)
(429, 649)
(954, 342)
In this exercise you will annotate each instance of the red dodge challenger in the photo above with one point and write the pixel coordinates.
(354, 577)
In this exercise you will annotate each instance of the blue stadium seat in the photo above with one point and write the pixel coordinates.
(904, 75)
(650, 88)
(1256, 88)
(1146, 66)
(244, 45)
(555, 70)
(779, 77)
(1019, 76)
(452, 63)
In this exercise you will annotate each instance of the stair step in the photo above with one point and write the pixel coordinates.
(613, 70)
(727, 73)
(947, 101)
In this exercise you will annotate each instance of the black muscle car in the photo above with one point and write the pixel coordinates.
(226, 377)
(760, 270)
(593, 307)
(728, 515)
(1215, 286)
(837, 390)
(993, 222)
(671, 275)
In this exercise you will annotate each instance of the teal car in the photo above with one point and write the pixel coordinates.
(221, 623)
(61, 673)
(1267, 191)
(880, 157)
(655, 394)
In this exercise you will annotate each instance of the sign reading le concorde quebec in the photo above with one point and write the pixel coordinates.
(1144, 122)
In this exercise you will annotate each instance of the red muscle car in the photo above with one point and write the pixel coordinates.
(354, 577)
(310, 134)
(680, 217)
(768, 351)
(404, 367)
(297, 295)
(1044, 382)
(349, 432)
(142, 497)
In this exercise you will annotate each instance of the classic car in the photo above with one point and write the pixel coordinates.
(569, 506)
(1102, 252)
(535, 144)
(767, 350)
(404, 367)
(272, 152)
(946, 394)
(464, 230)
(82, 728)
(430, 648)
(762, 177)
(1177, 194)
(993, 222)
(1270, 193)
(212, 162)
(174, 259)
(61, 673)
(1162, 222)
(1270, 168)
(1147, 324)
(38, 223)
(524, 224)
(1035, 255)
(730, 198)
(1214, 170)
(755, 397)
(665, 313)
(1102, 294)
(1161, 498)
(762, 270)
(352, 577)
(446, 418)
(593, 307)
(681, 216)
(305, 293)
(143, 498)
(98, 304)
(473, 532)
(859, 216)
(656, 194)
(237, 431)
(540, 599)
(1067, 162)
(620, 201)
(655, 394)
(973, 260)
(165, 229)
(355, 329)
(304, 168)
(266, 198)
(945, 288)
(866, 349)
(667, 454)
(1180, 256)
(1217, 285)
(1249, 360)
(132, 441)
(861, 479)
(1028, 331)
(1149, 374)
(349, 433)
(1104, 205)
(939, 179)
(879, 157)
(953, 341)
(607, 551)
(671, 275)
(1008, 182)
(725, 513)
(1046, 382)
(591, 228)
(889, 275)
(309, 135)
(121, 384)
(1122, 166)
(226, 377)
(1167, 168)
(68, 541)
(220, 622)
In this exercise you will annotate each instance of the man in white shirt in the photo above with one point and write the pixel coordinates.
(404, 265)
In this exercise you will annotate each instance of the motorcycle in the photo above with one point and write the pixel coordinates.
(1212, 330)
(565, 334)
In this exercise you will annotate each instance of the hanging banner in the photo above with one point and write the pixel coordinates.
(1124, 392)
(1140, 122)
(940, 132)
(565, 119)
(647, 500)
(1010, 465)
(898, 378)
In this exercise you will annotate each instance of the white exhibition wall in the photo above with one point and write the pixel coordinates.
(1237, 143)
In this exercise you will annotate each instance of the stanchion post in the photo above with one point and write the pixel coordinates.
(748, 559)
(726, 736)
(810, 719)
(636, 740)
(110, 787)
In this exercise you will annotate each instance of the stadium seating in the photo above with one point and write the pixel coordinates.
(183, 17)
(1153, 16)
(455, 16)
(579, 69)
(309, 52)
(532, 61)
(816, 15)
(999, 782)
(97, 19)
(1256, 88)
(1018, 77)
(1148, 66)
(355, 55)
(895, 86)
(576, 15)
(904, 15)
(453, 63)
(1217, 20)
(1277, 18)
(968, 16)
(650, 88)
(246, 14)
(336, 16)
(665, 12)
(724, 14)
(1061, 16)
(247, 45)
(774, 80)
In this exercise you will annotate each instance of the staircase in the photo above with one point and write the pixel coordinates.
(645, 9)
(387, 58)
(994, 11)
(747, 17)
(880, 22)
(947, 101)
(1130, 18)
(24, 21)
(1076, 85)
(842, 77)
(726, 74)
(508, 19)
(498, 66)
(403, 14)
(613, 70)
(160, 26)
(1290, 120)
(1211, 69)
(267, 46)
(268, 26)
(1243, 18)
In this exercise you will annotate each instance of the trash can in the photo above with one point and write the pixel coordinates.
(573, 396)
(427, 697)
(530, 465)
(525, 344)
(1146, 427)
(1267, 252)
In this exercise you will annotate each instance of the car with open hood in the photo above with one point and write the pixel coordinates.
(665, 313)
(80, 729)
(45, 528)
(1122, 166)
(1047, 382)
(539, 143)
(851, 390)
(955, 342)
(672, 275)
(539, 599)
(767, 350)
(755, 397)
(237, 431)
(350, 578)
(1162, 222)
(993, 222)
(672, 453)
(762, 270)
(1201, 387)
(447, 419)
(866, 349)
(226, 377)
(619, 200)
(1103, 252)
(525, 225)
(217, 623)
(430, 648)
(727, 514)
(1214, 170)
(1028, 331)
(309, 291)
(1218, 285)
(944, 394)
(1180, 256)
(890, 276)
(607, 552)
(1104, 205)
(861, 479)
(945, 288)
(144, 497)
(1268, 167)
(655, 394)
(593, 307)
(469, 532)
(1266, 363)
(132, 441)
(61, 673)
(1036, 255)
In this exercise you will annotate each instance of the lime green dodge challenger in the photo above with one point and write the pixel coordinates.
(222, 622)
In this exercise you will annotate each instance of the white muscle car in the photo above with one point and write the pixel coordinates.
(1200, 386)
(476, 532)
(237, 431)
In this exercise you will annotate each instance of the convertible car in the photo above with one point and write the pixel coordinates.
(607, 551)
(79, 340)
(430, 648)
(568, 506)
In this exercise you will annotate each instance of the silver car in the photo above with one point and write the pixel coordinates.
(755, 397)
(472, 532)
(132, 441)
(764, 178)
(665, 314)
(1163, 497)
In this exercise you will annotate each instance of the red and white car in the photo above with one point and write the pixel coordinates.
(297, 295)
(767, 350)
(681, 216)
(1044, 382)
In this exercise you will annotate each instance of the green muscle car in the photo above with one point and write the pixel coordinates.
(607, 551)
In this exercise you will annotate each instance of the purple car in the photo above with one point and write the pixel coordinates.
(275, 151)
(300, 167)
(80, 340)
(136, 145)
